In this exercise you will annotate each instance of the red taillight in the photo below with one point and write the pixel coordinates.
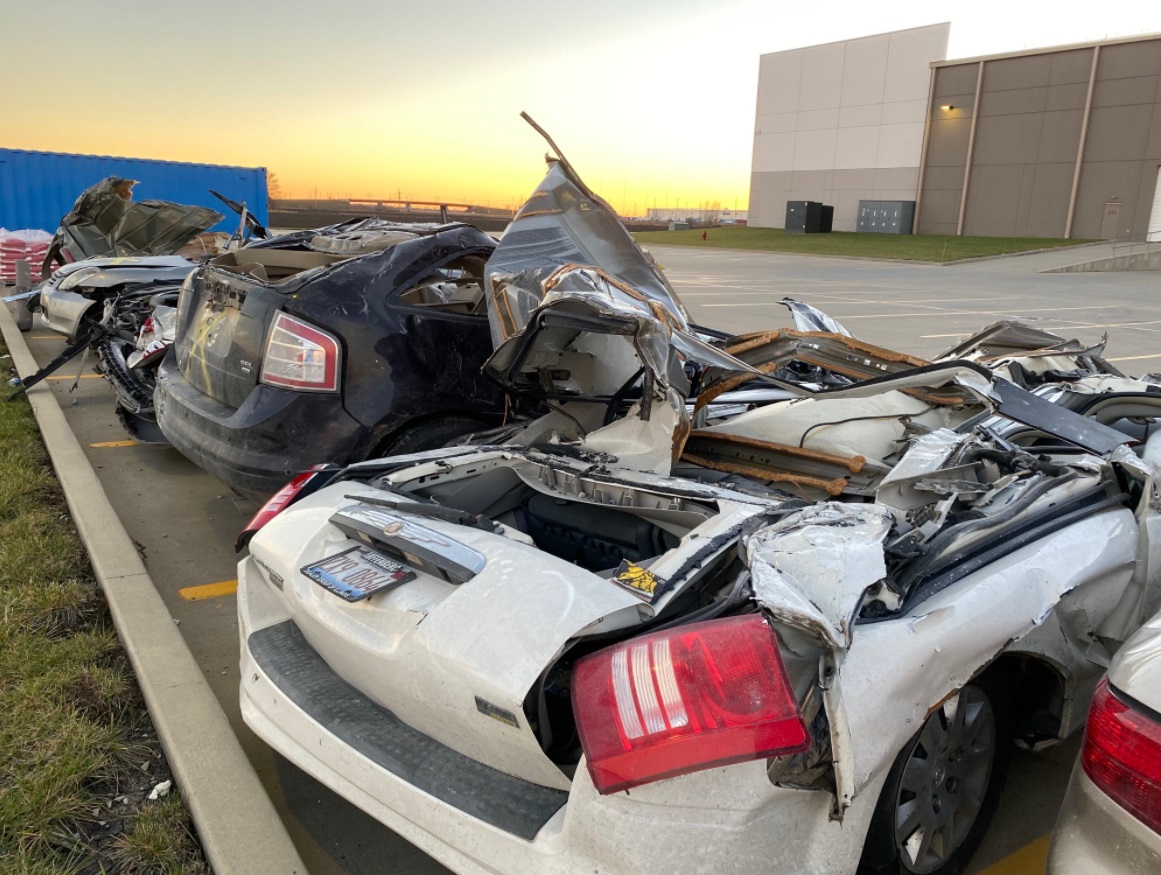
(702, 695)
(300, 356)
(276, 504)
(1122, 755)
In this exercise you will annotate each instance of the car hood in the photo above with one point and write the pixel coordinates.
(101, 273)
(105, 221)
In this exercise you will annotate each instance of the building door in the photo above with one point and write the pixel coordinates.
(1155, 213)
(1111, 223)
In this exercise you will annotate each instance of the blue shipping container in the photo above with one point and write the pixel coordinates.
(38, 188)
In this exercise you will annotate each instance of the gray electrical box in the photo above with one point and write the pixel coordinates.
(886, 217)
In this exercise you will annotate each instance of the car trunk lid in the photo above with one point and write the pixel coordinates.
(449, 659)
(225, 312)
(227, 307)
(222, 321)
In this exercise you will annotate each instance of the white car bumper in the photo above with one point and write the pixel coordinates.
(716, 820)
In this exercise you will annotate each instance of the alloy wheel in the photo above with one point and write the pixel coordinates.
(945, 780)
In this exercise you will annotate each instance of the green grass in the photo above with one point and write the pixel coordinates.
(908, 247)
(74, 733)
(159, 841)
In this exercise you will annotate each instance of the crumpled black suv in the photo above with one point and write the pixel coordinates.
(339, 344)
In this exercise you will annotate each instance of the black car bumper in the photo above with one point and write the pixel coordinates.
(257, 447)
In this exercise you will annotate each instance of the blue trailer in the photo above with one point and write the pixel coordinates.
(37, 188)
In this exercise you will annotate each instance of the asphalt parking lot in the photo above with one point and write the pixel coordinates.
(184, 521)
(923, 308)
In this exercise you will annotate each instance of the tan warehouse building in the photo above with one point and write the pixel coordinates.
(1057, 142)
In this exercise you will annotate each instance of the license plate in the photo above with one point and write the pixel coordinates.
(357, 573)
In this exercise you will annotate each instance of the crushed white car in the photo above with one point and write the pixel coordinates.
(632, 636)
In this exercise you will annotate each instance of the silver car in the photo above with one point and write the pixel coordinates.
(1111, 819)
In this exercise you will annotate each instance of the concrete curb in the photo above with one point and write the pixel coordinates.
(1148, 260)
(236, 822)
(872, 260)
(1072, 247)
(863, 258)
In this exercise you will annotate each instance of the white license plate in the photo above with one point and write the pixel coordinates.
(357, 573)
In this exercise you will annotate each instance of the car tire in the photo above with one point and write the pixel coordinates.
(431, 434)
(944, 786)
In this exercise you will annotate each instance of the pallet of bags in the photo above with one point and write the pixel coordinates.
(28, 244)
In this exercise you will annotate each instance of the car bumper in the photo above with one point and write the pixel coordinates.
(257, 447)
(1095, 834)
(62, 312)
(722, 819)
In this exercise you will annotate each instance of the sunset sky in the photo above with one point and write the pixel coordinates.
(652, 100)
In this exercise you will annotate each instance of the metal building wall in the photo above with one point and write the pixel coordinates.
(1048, 142)
(842, 122)
(37, 188)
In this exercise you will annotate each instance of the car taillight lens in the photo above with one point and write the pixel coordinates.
(300, 356)
(707, 694)
(1122, 755)
(278, 502)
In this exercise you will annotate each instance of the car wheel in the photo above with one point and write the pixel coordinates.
(944, 786)
(429, 435)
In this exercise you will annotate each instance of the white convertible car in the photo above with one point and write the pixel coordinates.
(635, 637)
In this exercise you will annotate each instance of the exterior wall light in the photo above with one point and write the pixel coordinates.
(947, 107)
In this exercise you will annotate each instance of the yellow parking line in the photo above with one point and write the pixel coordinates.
(208, 591)
(74, 376)
(46, 337)
(1029, 860)
(105, 444)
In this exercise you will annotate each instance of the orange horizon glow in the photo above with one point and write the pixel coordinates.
(448, 174)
